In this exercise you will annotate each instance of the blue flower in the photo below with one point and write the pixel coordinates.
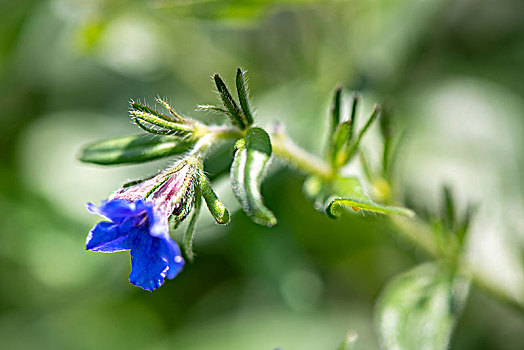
(137, 227)
(139, 221)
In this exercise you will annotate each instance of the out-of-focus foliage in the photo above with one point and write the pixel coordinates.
(419, 308)
(450, 72)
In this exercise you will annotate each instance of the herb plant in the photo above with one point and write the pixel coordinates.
(418, 309)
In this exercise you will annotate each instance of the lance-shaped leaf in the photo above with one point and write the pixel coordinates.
(251, 159)
(235, 114)
(386, 129)
(330, 196)
(135, 106)
(211, 108)
(133, 149)
(165, 125)
(464, 223)
(174, 115)
(243, 97)
(216, 208)
(353, 116)
(339, 141)
(189, 235)
(448, 208)
(336, 109)
(419, 308)
(353, 146)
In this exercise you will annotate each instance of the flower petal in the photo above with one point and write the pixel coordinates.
(152, 259)
(148, 268)
(116, 210)
(107, 237)
(174, 258)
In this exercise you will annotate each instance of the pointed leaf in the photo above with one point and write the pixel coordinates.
(216, 208)
(251, 159)
(175, 116)
(243, 97)
(355, 144)
(336, 109)
(333, 208)
(448, 208)
(163, 123)
(339, 142)
(235, 114)
(419, 308)
(211, 108)
(463, 225)
(152, 129)
(133, 149)
(145, 109)
(353, 116)
(189, 235)
(329, 197)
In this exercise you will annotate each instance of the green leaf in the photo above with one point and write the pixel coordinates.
(235, 114)
(151, 129)
(251, 159)
(189, 235)
(175, 116)
(243, 97)
(145, 109)
(211, 108)
(448, 208)
(133, 149)
(330, 196)
(419, 308)
(336, 109)
(216, 208)
(339, 142)
(353, 116)
(163, 123)
(355, 144)
(463, 225)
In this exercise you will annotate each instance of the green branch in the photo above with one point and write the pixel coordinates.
(414, 231)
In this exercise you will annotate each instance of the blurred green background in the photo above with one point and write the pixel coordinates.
(452, 72)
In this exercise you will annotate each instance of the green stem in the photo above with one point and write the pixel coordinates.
(286, 149)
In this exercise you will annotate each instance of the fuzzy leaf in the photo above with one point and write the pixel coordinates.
(166, 124)
(329, 197)
(339, 142)
(251, 159)
(145, 109)
(243, 97)
(336, 109)
(353, 116)
(216, 208)
(355, 144)
(133, 149)
(419, 308)
(189, 234)
(235, 114)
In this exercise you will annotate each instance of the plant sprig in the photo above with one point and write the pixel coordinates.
(440, 233)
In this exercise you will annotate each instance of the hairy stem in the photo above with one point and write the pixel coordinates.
(285, 148)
